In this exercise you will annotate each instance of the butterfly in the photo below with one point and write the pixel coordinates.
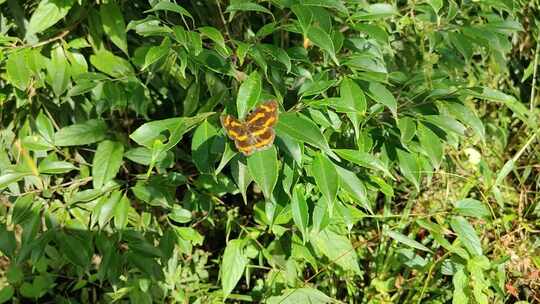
(255, 133)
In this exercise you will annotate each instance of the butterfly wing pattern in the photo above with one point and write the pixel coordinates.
(256, 132)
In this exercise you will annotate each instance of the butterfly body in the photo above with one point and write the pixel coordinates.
(256, 131)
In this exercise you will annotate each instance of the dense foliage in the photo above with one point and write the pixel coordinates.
(404, 170)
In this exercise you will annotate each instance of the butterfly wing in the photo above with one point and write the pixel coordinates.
(238, 132)
(260, 124)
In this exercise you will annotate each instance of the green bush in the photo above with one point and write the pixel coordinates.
(403, 169)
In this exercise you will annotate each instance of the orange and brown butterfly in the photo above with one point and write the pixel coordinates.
(256, 132)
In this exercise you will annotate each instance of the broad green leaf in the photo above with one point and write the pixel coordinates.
(407, 240)
(146, 134)
(321, 39)
(155, 53)
(201, 145)
(36, 143)
(376, 11)
(55, 167)
(106, 208)
(243, 5)
(408, 164)
(166, 5)
(74, 248)
(263, 166)
(45, 127)
(180, 215)
(48, 13)
(471, 207)
(111, 64)
(495, 95)
(326, 178)
(114, 25)
(300, 211)
(407, 128)
(232, 267)
(466, 233)
(191, 102)
(363, 159)
(121, 211)
(337, 248)
(461, 287)
(85, 133)
(354, 187)
(216, 36)
(248, 94)
(18, 71)
(241, 176)
(431, 144)
(58, 70)
(380, 94)
(6, 293)
(301, 295)
(335, 4)
(447, 123)
(11, 177)
(301, 128)
(106, 163)
(22, 209)
(352, 95)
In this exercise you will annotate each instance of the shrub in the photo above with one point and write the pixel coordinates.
(118, 182)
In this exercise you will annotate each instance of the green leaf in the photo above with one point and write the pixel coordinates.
(58, 71)
(408, 164)
(263, 166)
(406, 240)
(326, 178)
(300, 211)
(363, 159)
(89, 132)
(180, 215)
(106, 207)
(233, 265)
(353, 96)
(461, 285)
(248, 94)
(431, 144)
(48, 13)
(111, 64)
(74, 248)
(376, 11)
(106, 163)
(471, 207)
(6, 293)
(216, 36)
(55, 167)
(45, 127)
(121, 211)
(18, 71)
(321, 39)
(380, 94)
(407, 129)
(301, 295)
(243, 5)
(22, 209)
(155, 53)
(201, 146)
(11, 177)
(114, 25)
(337, 248)
(354, 187)
(495, 95)
(166, 5)
(241, 176)
(146, 134)
(301, 128)
(467, 235)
